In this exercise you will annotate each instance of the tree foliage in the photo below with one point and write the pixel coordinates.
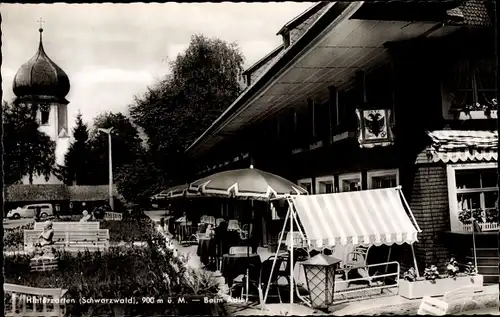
(87, 160)
(125, 141)
(76, 159)
(204, 81)
(27, 150)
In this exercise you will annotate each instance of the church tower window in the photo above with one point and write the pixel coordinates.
(45, 114)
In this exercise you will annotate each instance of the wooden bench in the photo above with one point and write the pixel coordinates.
(112, 216)
(24, 301)
(77, 240)
(69, 226)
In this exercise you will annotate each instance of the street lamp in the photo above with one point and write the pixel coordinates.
(108, 132)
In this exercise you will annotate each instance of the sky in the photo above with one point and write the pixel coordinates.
(112, 52)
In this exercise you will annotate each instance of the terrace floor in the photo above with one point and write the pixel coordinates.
(392, 305)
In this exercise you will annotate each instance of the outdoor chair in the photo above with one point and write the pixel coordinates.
(259, 279)
(299, 255)
(357, 257)
(218, 221)
(240, 281)
(266, 272)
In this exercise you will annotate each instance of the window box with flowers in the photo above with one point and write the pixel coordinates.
(471, 90)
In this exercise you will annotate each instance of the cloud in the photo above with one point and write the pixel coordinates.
(110, 75)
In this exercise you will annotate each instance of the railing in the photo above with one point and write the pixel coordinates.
(485, 226)
(371, 285)
(23, 301)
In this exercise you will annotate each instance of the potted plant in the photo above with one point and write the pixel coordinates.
(201, 294)
(434, 284)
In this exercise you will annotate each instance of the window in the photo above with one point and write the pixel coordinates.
(383, 178)
(325, 185)
(306, 184)
(44, 114)
(473, 194)
(350, 182)
(472, 84)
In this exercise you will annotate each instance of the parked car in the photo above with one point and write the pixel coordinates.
(30, 211)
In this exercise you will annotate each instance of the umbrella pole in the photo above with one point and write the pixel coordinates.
(248, 254)
(291, 258)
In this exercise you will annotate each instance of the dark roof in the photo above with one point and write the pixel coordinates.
(409, 10)
(41, 77)
(32, 193)
(292, 24)
(263, 60)
(316, 28)
(90, 193)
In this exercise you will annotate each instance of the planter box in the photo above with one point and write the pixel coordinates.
(419, 289)
(477, 114)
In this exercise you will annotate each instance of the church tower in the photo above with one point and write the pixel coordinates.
(44, 85)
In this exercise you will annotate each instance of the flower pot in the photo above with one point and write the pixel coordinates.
(419, 289)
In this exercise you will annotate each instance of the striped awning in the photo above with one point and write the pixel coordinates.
(370, 217)
(452, 146)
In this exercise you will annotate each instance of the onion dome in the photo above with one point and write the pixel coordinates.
(41, 79)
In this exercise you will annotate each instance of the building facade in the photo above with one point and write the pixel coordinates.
(43, 85)
(374, 95)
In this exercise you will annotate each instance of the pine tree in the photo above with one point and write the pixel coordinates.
(76, 159)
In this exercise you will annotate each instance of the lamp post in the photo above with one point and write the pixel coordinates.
(111, 202)
(320, 278)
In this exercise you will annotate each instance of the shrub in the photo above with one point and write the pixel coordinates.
(13, 239)
(129, 229)
(119, 273)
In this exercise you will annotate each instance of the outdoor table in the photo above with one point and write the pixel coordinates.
(206, 249)
(234, 265)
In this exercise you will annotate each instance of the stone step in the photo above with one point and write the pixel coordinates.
(484, 261)
(485, 252)
(488, 269)
(491, 279)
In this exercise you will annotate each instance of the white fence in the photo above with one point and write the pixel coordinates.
(24, 301)
(485, 226)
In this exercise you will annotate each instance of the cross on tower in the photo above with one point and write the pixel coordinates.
(41, 21)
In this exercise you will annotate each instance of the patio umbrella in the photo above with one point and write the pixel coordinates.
(175, 192)
(248, 183)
